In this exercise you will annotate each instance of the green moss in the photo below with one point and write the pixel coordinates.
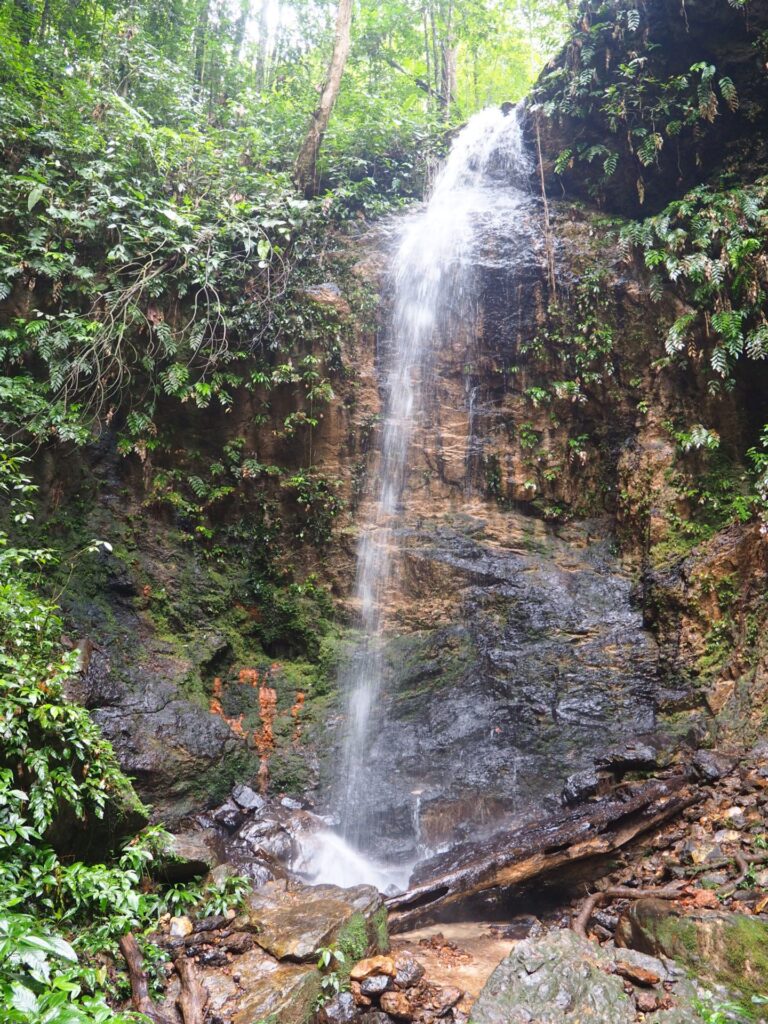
(288, 772)
(353, 939)
(746, 953)
(380, 930)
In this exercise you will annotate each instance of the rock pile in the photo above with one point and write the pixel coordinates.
(390, 989)
(261, 963)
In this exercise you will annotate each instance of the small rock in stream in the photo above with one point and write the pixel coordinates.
(181, 927)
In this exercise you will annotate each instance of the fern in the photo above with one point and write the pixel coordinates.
(729, 93)
(678, 333)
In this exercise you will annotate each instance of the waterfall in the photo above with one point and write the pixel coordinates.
(432, 287)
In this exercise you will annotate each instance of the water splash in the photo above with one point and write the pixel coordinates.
(433, 287)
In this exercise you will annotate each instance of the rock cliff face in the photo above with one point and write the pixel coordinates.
(549, 601)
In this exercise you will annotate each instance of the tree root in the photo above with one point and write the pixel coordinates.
(580, 922)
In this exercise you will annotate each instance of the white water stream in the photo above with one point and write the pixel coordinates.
(433, 285)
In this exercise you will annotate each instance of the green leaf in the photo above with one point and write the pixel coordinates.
(34, 197)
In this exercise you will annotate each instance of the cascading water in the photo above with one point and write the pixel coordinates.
(433, 288)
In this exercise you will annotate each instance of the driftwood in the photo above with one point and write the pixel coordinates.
(129, 947)
(622, 892)
(538, 849)
(192, 998)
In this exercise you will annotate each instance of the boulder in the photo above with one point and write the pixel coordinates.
(728, 948)
(188, 855)
(561, 978)
(294, 922)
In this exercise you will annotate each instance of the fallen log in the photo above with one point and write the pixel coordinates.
(193, 996)
(129, 947)
(538, 849)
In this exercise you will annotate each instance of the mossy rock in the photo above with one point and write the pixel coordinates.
(729, 948)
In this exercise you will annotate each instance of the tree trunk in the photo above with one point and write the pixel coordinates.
(199, 45)
(44, 19)
(239, 32)
(261, 54)
(305, 169)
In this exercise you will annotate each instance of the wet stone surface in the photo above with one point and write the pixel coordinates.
(543, 670)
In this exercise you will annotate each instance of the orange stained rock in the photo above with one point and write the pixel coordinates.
(373, 965)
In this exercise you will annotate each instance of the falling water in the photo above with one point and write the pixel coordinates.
(432, 285)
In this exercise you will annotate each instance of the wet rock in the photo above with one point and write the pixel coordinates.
(248, 799)
(292, 923)
(340, 1010)
(375, 984)
(238, 943)
(290, 804)
(229, 816)
(580, 786)
(520, 927)
(327, 294)
(269, 838)
(260, 871)
(188, 855)
(180, 927)
(374, 965)
(376, 1017)
(260, 989)
(213, 958)
(630, 756)
(408, 971)
(210, 924)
